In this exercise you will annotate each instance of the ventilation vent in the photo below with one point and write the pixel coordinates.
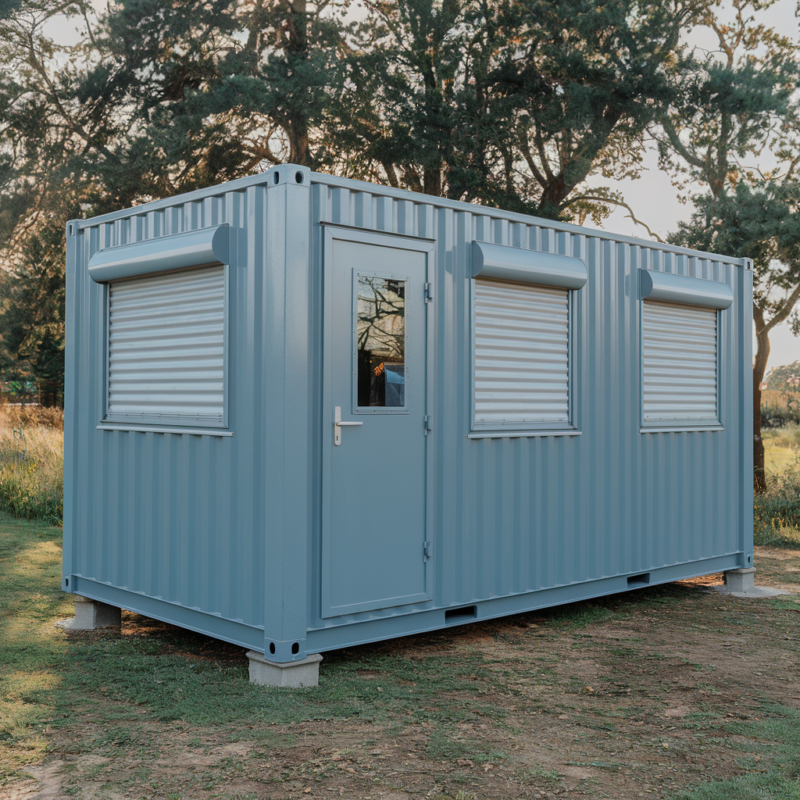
(454, 616)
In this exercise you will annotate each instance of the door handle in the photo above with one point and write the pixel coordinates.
(338, 425)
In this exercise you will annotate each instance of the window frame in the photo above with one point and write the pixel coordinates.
(515, 429)
(156, 422)
(678, 426)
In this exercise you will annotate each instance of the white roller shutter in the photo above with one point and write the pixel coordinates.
(521, 351)
(679, 363)
(166, 346)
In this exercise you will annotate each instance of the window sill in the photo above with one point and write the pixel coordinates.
(681, 428)
(112, 426)
(520, 434)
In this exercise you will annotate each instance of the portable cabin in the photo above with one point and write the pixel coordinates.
(305, 412)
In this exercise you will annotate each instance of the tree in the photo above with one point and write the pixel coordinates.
(153, 100)
(761, 222)
(589, 78)
(42, 130)
(731, 106)
(785, 378)
(513, 103)
(205, 92)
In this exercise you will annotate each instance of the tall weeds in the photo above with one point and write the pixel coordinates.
(32, 463)
(777, 512)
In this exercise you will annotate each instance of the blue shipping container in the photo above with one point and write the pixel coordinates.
(305, 412)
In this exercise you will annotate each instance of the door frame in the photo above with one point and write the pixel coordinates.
(333, 232)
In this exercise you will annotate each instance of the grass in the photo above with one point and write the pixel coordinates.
(163, 674)
(32, 463)
(774, 739)
(781, 449)
(31, 656)
(777, 512)
(779, 407)
(118, 698)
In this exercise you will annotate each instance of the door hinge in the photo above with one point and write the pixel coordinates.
(428, 550)
(428, 292)
(427, 424)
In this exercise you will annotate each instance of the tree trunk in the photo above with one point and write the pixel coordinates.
(759, 370)
(296, 48)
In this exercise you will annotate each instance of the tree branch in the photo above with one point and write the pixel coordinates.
(629, 215)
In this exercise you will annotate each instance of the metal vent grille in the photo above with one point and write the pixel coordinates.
(679, 363)
(166, 346)
(521, 353)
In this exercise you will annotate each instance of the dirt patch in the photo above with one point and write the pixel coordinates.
(778, 567)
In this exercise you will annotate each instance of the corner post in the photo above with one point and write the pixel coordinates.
(746, 411)
(287, 358)
(73, 237)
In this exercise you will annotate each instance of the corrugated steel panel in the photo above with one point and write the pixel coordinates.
(679, 363)
(521, 353)
(518, 515)
(166, 346)
(204, 524)
(182, 518)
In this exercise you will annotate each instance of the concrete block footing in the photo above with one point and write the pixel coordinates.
(292, 675)
(91, 614)
(740, 580)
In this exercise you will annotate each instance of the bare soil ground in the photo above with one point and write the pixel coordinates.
(650, 694)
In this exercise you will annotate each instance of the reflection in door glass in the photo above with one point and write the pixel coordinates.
(380, 342)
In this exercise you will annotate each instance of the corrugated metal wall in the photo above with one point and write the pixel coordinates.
(180, 518)
(216, 524)
(515, 515)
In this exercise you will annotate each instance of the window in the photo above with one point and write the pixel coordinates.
(166, 348)
(380, 342)
(679, 365)
(521, 354)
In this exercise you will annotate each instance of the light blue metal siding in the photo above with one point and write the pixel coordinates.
(180, 518)
(520, 515)
(223, 534)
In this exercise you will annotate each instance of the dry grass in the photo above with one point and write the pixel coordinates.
(32, 462)
(777, 512)
(779, 408)
(782, 449)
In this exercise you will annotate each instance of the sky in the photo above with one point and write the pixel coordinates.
(655, 200)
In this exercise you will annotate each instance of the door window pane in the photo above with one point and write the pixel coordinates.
(380, 342)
